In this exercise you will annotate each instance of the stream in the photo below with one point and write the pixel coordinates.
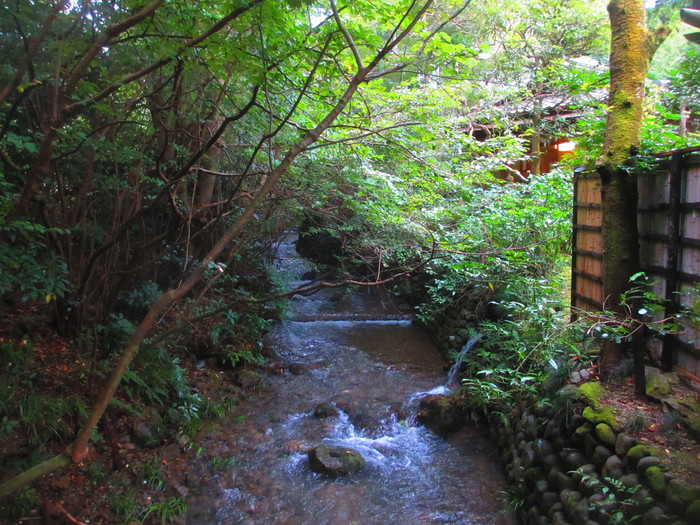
(359, 353)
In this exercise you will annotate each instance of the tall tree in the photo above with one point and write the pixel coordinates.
(632, 47)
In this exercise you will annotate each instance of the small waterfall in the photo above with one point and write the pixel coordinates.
(452, 374)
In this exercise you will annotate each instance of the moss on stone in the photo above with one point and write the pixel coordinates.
(606, 414)
(638, 452)
(679, 495)
(656, 479)
(693, 423)
(591, 392)
(658, 384)
(605, 433)
(581, 432)
(693, 512)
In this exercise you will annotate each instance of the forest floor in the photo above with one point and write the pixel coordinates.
(651, 422)
(124, 482)
(42, 380)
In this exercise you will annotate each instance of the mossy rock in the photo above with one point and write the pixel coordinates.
(688, 405)
(592, 392)
(605, 433)
(638, 452)
(658, 384)
(335, 461)
(149, 431)
(656, 479)
(579, 435)
(649, 461)
(655, 516)
(679, 495)
(693, 512)
(606, 414)
(442, 414)
(693, 424)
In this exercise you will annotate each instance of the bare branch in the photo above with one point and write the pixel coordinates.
(366, 134)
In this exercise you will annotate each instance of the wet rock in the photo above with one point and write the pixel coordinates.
(148, 432)
(297, 369)
(542, 449)
(580, 512)
(366, 422)
(397, 411)
(630, 480)
(440, 413)
(549, 499)
(335, 461)
(247, 379)
(325, 409)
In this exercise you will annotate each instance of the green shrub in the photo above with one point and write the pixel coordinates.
(20, 505)
(45, 417)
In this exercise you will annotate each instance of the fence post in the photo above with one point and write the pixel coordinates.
(672, 261)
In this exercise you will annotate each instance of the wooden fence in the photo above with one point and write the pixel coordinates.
(668, 219)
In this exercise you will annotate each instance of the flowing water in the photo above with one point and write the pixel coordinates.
(454, 370)
(360, 353)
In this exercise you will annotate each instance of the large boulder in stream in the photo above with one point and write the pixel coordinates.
(335, 461)
(441, 413)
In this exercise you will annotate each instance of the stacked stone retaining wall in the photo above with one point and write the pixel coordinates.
(582, 468)
(575, 464)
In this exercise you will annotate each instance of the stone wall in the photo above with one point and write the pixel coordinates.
(449, 330)
(580, 467)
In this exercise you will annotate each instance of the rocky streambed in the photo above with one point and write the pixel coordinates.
(351, 371)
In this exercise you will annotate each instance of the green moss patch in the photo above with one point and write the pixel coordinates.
(692, 513)
(605, 433)
(592, 392)
(641, 451)
(656, 479)
(679, 495)
(607, 415)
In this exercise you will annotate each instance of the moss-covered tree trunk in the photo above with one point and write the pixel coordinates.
(632, 46)
(629, 62)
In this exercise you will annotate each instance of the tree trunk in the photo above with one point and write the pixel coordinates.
(630, 55)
